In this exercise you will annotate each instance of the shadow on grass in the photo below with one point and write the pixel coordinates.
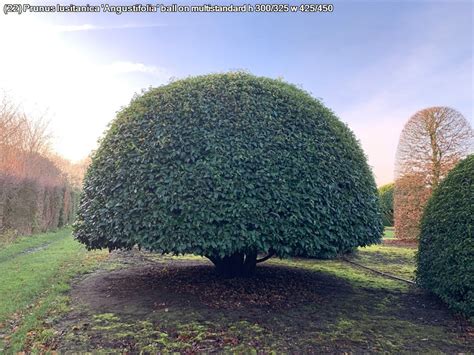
(171, 304)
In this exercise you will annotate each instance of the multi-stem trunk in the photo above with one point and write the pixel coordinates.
(241, 264)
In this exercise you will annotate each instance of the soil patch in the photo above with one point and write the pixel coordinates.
(152, 304)
(151, 285)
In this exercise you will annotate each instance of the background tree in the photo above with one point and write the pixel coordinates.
(229, 166)
(36, 193)
(386, 203)
(432, 142)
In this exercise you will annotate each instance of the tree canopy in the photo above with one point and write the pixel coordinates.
(229, 166)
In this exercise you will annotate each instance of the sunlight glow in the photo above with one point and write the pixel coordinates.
(80, 94)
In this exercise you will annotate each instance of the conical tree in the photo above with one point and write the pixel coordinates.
(229, 166)
(432, 142)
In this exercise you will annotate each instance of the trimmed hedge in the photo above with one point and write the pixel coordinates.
(28, 206)
(386, 203)
(446, 252)
(228, 164)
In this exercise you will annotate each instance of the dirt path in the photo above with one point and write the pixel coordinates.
(150, 304)
(33, 249)
(26, 251)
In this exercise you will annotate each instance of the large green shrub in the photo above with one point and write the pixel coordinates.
(386, 204)
(229, 166)
(446, 252)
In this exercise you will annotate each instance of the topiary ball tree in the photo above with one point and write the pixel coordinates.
(446, 251)
(229, 166)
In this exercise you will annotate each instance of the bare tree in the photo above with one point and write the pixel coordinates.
(38, 135)
(36, 193)
(21, 138)
(10, 125)
(432, 142)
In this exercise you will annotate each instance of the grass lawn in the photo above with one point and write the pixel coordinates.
(389, 233)
(397, 261)
(35, 274)
(141, 302)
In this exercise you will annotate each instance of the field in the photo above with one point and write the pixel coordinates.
(54, 295)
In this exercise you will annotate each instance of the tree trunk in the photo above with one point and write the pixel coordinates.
(235, 265)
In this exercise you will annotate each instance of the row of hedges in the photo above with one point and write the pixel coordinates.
(28, 206)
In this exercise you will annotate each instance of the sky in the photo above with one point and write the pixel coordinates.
(374, 63)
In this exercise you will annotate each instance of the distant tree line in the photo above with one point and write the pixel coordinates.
(39, 190)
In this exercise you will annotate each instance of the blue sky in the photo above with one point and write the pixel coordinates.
(374, 63)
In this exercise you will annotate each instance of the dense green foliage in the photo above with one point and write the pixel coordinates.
(446, 252)
(386, 204)
(227, 164)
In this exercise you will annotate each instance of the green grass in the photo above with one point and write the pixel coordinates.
(35, 274)
(392, 260)
(357, 277)
(389, 233)
(354, 310)
(24, 244)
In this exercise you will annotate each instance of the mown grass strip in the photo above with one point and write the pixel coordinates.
(26, 275)
(393, 260)
(397, 261)
(342, 270)
(379, 272)
(30, 282)
(392, 251)
(34, 331)
(31, 242)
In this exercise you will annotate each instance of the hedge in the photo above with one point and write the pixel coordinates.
(446, 251)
